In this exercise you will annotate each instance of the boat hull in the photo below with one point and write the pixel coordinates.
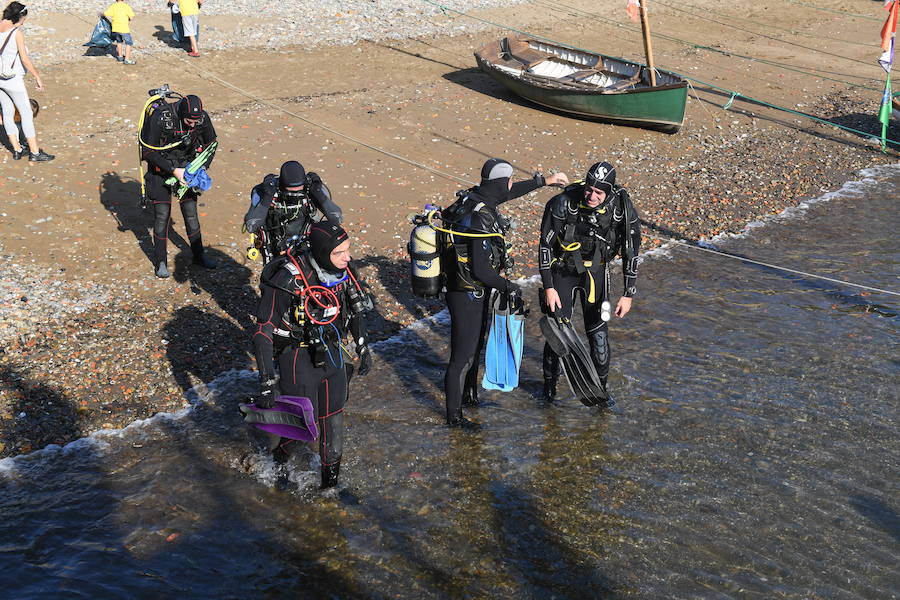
(660, 107)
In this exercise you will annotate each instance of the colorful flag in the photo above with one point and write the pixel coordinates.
(886, 60)
(634, 10)
(890, 25)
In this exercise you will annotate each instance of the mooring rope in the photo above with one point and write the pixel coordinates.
(835, 11)
(764, 35)
(770, 26)
(699, 246)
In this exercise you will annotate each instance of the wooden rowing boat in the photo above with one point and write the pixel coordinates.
(586, 84)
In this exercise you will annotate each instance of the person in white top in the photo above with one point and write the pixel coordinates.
(13, 95)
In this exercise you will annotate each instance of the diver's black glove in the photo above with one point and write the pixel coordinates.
(313, 182)
(267, 396)
(513, 289)
(365, 360)
(516, 302)
(270, 185)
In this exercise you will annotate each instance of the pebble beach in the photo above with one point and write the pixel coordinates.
(90, 340)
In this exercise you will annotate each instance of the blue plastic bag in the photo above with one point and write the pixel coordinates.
(177, 30)
(102, 34)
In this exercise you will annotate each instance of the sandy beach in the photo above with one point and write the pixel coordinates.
(91, 339)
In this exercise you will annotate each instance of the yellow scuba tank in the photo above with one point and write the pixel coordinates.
(425, 255)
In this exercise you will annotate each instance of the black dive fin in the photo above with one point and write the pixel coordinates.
(576, 361)
(551, 330)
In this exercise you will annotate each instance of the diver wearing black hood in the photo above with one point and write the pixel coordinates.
(309, 303)
(284, 207)
(474, 270)
(583, 229)
(191, 126)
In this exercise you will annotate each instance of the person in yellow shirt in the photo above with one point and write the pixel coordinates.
(119, 14)
(190, 22)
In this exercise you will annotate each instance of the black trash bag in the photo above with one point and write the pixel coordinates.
(101, 37)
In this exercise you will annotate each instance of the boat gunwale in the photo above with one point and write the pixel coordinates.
(543, 81)
(555, 84)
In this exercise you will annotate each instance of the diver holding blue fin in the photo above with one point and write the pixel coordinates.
(505, 343)
(583, 229)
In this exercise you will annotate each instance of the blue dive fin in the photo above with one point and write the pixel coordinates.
(505, 344)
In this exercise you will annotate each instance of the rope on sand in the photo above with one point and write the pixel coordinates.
(872, 63)
(836, 11)
(771, 27)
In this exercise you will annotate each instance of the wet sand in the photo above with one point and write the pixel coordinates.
(93, 340)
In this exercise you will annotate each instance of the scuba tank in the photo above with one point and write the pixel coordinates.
(424, 249)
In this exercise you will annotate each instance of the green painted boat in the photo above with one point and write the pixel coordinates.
(586, 84)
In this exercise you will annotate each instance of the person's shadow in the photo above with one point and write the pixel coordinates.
(228, 284)
(28, 429)
(120, 197)
(202, 345)
(165, 36)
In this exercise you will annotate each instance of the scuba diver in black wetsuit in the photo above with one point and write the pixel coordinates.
(283, 208)
(475, 259)
(191, 126)
(310, 299)
(583, 229)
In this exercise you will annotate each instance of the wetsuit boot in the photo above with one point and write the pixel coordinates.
(550, 389)
(458, 421)
(200, 257)
(280, 453)
(470, 396)
(162, 271)
(330, 474)
(551, 368)
(610, 401)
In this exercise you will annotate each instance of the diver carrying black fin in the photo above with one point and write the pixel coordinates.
(575, 358)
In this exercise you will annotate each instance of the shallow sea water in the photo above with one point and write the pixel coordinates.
(754, 454)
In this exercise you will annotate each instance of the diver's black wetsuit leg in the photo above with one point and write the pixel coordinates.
(192, 228)
(596, 330)
(159, 195)
(467, 329)
(470, 391)
(326, 388)
(330, 417)
(191, 219)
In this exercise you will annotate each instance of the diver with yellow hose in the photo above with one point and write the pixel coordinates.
(583, 229)
(171, 135)
(475, 256)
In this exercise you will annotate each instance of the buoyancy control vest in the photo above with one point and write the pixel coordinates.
(275, 224)
(592, 236)
(322, 305)
(461, 232)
